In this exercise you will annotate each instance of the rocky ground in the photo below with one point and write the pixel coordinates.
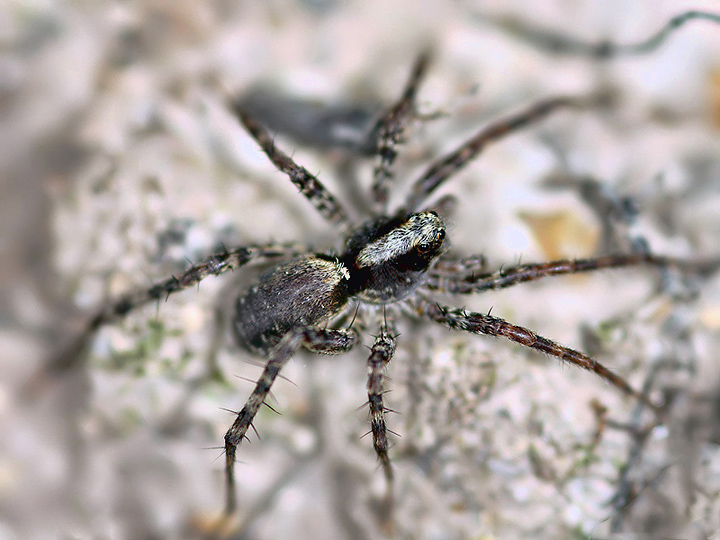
(119, 163)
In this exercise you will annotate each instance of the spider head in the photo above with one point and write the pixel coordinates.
(388, 258)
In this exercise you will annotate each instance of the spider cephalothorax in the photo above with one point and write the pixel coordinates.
(389, 258)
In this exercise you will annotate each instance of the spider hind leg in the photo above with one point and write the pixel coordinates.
(315, 339)
(73, 353)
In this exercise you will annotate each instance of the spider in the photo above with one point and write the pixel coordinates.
(388, 265)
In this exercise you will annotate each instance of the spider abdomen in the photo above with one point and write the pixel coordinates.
(302, 293)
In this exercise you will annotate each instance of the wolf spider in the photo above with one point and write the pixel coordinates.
(389, 264)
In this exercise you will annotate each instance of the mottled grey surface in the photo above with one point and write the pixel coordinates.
(118, 161)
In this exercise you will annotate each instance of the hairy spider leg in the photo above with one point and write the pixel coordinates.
(479, 323)
(458, 267)
(464, 282)
(390, 129)
(448, 165)
(319, 340)
(308, 184)
(380, 355)
(71, 356)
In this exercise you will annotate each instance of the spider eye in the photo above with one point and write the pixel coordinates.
(424, 247)
(441, 234)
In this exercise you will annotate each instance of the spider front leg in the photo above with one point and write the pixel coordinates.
(479, 323)
(389, 131)
(465, 282)
(445, 167)
(318, 340)
(380, 355)
(457, 268)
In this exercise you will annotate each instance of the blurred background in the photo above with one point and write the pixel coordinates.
(120, 165)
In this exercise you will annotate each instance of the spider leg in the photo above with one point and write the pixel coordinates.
(315, 192)
(464, 282)
(70, 356)
(457, 268)
(318, 340)
(445, 167)
(389, 131)
(380, 355)
(479, 323)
